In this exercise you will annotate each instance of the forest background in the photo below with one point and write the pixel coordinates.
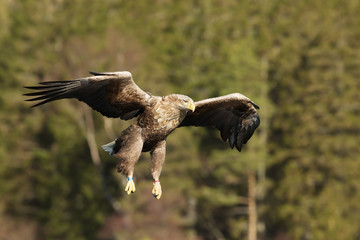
(297, 178)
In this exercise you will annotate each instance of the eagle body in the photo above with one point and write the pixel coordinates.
(161, 117)
(115, 95)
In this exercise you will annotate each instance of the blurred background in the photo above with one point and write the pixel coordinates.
(297, 178)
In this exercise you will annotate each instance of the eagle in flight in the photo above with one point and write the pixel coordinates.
(115, 95)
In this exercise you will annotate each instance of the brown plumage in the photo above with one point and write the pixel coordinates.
(115, 94)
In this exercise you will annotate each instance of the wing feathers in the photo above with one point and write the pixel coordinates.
(51, 94)
(123, 74)
(255, 106)
(234, 115)
(240, 139)
(42, 92)
(113, 94)
(232, 138)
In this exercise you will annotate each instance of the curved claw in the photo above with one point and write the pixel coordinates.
(157, 192)
(130, 187)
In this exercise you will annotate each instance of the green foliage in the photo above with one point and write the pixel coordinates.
(314, 151)
(298, 62)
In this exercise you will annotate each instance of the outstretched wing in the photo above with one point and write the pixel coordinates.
(113, 94)
(234, 115)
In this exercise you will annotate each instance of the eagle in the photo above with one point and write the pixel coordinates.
(115, 95)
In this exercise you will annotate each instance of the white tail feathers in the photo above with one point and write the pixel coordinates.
(109, 147)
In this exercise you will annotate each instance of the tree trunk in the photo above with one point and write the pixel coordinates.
(252, 228)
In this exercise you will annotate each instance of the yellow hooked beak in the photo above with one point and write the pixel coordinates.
(191, 106)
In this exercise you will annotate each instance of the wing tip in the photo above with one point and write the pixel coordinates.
(255, 105)
(96, 73)
(239, 147)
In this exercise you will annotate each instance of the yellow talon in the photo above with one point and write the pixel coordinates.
(156, 192)
(130, 187)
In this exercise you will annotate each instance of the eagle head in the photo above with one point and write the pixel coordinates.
(182, 102)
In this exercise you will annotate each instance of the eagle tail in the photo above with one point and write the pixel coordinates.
(109, 147)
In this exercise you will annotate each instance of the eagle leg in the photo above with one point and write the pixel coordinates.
(128, 148)
(157, 192)
(130, 186)
(157, 159)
